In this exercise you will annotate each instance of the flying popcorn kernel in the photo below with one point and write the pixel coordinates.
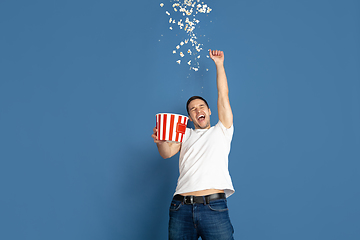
(184, 11)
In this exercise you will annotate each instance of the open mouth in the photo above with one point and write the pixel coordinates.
(201, 118)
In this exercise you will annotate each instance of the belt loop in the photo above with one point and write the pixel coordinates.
(204, 200)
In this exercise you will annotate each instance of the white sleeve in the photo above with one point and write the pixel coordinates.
(228, 132)
(187, 134)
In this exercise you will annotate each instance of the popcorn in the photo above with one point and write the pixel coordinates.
(198, 48)
(187, 10)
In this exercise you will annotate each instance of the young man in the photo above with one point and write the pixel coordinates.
(199, 207)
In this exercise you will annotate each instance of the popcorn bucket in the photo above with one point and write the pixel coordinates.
(171, 127)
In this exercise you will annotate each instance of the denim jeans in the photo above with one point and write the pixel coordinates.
(208, 221)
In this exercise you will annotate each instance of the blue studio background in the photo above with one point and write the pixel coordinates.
(81, 82)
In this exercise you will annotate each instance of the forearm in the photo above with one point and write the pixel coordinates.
(224, 108)
(221, 80)
(166, 149)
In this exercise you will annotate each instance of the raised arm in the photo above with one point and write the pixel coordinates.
(166, 149)
(224, 108)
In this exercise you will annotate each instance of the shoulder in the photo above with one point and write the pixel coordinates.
(228, 132)
(187, 134)
(188, 131)
(221, 125)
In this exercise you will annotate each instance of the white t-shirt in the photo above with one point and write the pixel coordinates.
(203, 162)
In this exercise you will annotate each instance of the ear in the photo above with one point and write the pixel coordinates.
(209, 111)
(190, 118)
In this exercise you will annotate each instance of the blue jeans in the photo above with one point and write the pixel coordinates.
(208, 221)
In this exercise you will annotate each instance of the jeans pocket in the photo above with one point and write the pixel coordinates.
(175, 205)
(218, 205)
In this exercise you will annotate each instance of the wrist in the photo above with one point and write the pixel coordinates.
(219, 64)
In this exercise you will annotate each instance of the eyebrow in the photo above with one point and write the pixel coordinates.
(200, 105)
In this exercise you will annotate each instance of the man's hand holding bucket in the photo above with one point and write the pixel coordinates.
(154, 136)
(166, 149)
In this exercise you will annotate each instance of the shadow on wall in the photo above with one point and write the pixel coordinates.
(147, 185)
(147, 189)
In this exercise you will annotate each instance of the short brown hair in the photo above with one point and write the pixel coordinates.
(193, 98)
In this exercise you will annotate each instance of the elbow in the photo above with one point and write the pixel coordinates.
(165, 156)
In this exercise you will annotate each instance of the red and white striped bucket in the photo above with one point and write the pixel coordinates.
(171, 127)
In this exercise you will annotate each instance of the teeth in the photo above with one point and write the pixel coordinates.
(201, 116)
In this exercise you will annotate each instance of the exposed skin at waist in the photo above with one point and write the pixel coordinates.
(203, 192)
